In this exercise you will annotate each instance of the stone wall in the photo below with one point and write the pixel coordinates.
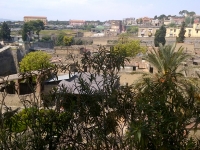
(10, 58)
(14, 100)
(49, 45)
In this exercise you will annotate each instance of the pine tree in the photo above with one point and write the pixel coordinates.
(5, 32)
(181, 35)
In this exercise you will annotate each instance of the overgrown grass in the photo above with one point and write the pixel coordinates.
(57, 32)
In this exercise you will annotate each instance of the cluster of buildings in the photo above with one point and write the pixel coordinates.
(146, 26)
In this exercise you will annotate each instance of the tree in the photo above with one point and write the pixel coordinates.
(166, 103)
(161, 17)
(129, 48)
(67, 40)
(88, 27)
(189, 20)
(160, 36)
(192, 13)
(139, 21)
(46, 39)
(31, 26)
(26, 29)
(155, 113)
(181, 35)
(132, 29)
(5, 32)
(37, 26)
(35, 61)
(183, 12)
(173, 25)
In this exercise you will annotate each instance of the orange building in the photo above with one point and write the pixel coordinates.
(31, 18)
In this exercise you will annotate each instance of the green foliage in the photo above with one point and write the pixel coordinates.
(64, 40)
(25, 32)
(46, 39)
(128, 48)
(82, 42)
(161, 17)
(185, 12)
(172, 25)
(44, 125)
(132, 29)
(35, 61)
(31, 26)
(88, 27)
(5, 32)
(165, 103)
(181, 35)
(67, 40)
(152, 114)
(189, 20)
(160, 36)
(166, 60)
(59, 40)
(78, 42)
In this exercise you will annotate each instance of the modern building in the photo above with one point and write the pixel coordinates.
(31, 18)
(147, 31)
(192, 31)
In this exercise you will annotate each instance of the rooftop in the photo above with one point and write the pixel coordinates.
(42, 17)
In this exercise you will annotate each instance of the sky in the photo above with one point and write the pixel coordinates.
(102, 10)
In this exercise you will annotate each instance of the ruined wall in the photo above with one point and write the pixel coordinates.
(9, 60)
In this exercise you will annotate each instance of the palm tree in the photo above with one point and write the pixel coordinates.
(165, 102)
(168, 62)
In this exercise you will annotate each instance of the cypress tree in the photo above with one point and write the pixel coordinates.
(181, 35)
(160, 36)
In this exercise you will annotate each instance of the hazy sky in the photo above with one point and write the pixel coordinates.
(94, 9)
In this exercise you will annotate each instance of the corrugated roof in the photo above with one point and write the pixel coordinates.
(93, 83)
(60, 77)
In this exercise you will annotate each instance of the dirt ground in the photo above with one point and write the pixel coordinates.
(129, 78)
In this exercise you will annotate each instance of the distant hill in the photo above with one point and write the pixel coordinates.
(2, 20)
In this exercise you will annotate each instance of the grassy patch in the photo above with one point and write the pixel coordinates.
(56, 32)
